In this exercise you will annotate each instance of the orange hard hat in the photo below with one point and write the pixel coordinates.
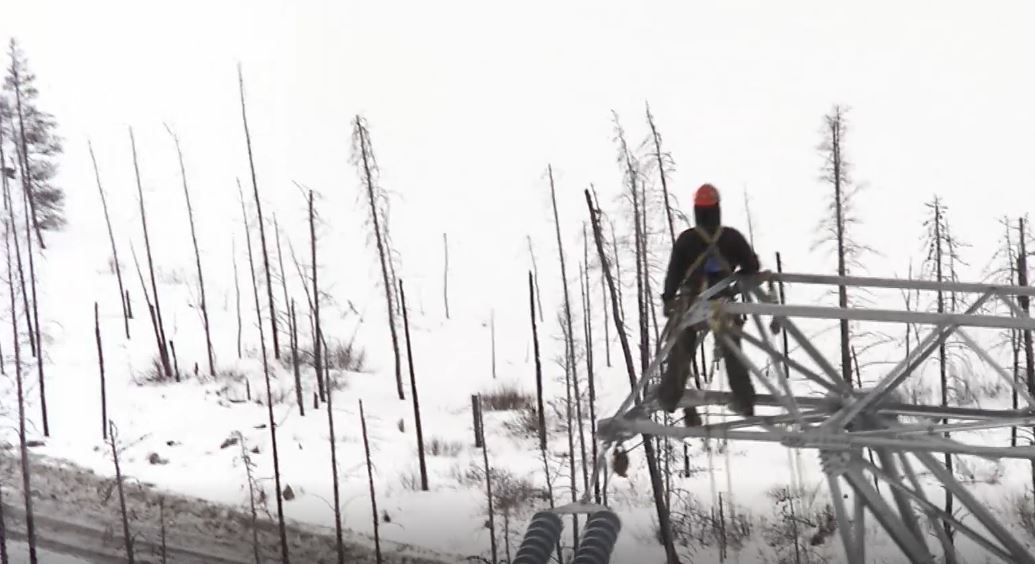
(706, 196)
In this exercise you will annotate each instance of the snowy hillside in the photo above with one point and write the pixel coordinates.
(467, 108)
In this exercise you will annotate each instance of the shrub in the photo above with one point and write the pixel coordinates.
(506, 397)
(524, 423)
(443, 447)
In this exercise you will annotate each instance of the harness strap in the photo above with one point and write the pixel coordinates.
(712, 246)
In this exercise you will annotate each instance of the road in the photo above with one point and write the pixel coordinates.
(77, 519)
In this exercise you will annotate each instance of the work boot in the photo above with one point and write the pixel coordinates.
(691, 418)
(742, 406)
(670, 391)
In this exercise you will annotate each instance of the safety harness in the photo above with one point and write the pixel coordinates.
(712, 261)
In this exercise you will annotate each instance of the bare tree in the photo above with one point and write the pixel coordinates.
(36, 319)
(113, 442)
(663, 160)
(269, 390)
(30, 522)
(835, 229)
(280, 265)
(237, 294)
(262, 228)
(370, 480)
(100, 364)
(197, 257)
(151, 311)
(413, 392)
(648, 445)
(339, 541)
(249, 470)
(1025, 303)
(3, 530)
(569, 335)
(942, 255)
(535, 276)
(445, 273)
(9, 206)
(587, 322)
(111, 238)
(631, 172)
(315, 299)
(163, 353)
(607, 330)
(161, 524)
(293, 328)
(488, 496)
(540, 408)
(363, 156)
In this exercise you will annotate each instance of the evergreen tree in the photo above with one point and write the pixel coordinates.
(32, 133)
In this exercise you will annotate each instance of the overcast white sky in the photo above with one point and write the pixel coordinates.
(468, 102)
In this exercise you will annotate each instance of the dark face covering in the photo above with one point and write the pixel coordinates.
(708, 217)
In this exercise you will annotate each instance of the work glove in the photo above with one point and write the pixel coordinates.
(668, 306)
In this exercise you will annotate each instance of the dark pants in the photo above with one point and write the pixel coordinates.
(677, 370)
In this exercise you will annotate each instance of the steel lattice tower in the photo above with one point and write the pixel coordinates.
(842, 422)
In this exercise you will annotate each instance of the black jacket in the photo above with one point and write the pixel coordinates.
(690, 245)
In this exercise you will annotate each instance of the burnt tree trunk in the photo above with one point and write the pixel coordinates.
(163, 353)
(318, 351)
(660, 157)
(413, 391)
(283, 273)
(476, 416)
(370, 480)
(237, 298)
(836, 125)
(9, 206)
(113, 441)
(161, 523)
(176, 363)
(607, 330)
(445, 273)
(282, 529)
(1025, 303)
(293, 327)
(36, 322)
(3, 530)
(648, 445)
(254, 512)
(114, 250)
(339, 542)
(262, 228)
(535, 276)
(100, 364)
(151, 312)
(588, 330)
(382, 249)
(540, 406)
(570, 337)
(197, 261)
(942, 360)
(23, 450)
(492, 340)
(488, 496)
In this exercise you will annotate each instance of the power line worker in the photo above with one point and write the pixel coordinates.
(701, 257)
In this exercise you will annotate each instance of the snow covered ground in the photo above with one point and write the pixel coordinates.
(19, 554)
(185, 425)
(463, 135)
